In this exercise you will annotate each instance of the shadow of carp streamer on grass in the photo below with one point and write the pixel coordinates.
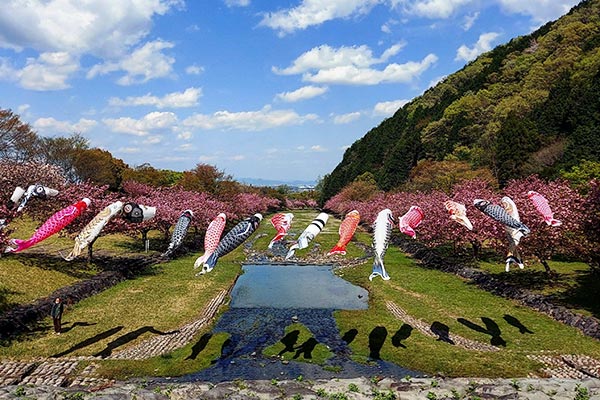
(268, 298)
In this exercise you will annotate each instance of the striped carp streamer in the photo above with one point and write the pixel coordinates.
(179, 232)
(542, 206)
(513, 235)
(382, 231)
(499, 214)
(235, 237)
(282, 224)
(211, 238)
(308, 234)
(91, 231)
(346, 231)
(54, 224)
(409, 221)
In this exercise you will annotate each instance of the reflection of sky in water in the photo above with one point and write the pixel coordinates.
(296, 286)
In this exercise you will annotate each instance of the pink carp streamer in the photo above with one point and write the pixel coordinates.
(409, 221)
(211, 238)
(53, 225)
(541, 204)
(458, 213)
(282, 223)
(346, 231)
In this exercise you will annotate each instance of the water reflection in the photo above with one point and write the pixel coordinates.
(296, 286)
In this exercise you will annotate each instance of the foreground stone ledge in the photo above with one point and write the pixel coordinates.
(358, 388)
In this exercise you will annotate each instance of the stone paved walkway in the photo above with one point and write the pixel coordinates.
(61, 372)
(426, 329)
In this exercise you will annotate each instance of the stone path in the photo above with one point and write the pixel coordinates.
(426, 329)
(61, 372)
(361, 388)
(164, 344)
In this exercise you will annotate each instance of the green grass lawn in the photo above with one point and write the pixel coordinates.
(572, 284)
(168, 296)
(299, 344)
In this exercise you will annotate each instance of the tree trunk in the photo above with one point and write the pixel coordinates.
(546, 266)
(476, 248)
(90, 251)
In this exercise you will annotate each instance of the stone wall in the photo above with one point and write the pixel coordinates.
(26, 317)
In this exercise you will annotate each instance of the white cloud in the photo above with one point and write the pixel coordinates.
(206, 158)
(483, 44)
(392, 73)
(388, 108)
(248, 120)
(352, 66)
(103, 28)
(540, 10)
(129, 150)
(194, 70)
(185, 147)
(187, 135)
(23, 108)
(304, 93)
(238, 157)
(237, 3)
(315, 12)
(187, 98)
(431, 8)
(52, 125)
(152, 140)
(50, 71)
(346, 118)
(469, 20)
(143, 64)
(318, 148)
(326, 57)
(142, 127)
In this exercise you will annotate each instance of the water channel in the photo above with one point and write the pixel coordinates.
(268, 298)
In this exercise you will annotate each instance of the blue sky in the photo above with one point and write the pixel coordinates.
(260, 89)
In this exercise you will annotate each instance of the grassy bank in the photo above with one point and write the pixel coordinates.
(168, 296)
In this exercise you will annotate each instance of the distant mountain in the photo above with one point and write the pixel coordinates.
(530, 106)
(274, 183)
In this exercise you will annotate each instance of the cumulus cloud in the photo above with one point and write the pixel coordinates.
(265, 118)
(49, 71)
(346, 118)
(353, 66)
(143, 64)
(314, 12)
(142, 127)
(388, 108)
(103, 28)
(327, 57)
(541, 11)
(483, 44)
(431, 8)
(187, 98)
(469, 20)
(304, 93)
(53, 125)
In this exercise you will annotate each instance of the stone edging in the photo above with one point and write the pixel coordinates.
(23, 317)
(589, 326)
(163, 344)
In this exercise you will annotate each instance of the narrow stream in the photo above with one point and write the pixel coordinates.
(268, 298)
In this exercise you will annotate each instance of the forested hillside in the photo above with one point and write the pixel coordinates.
(531, 106)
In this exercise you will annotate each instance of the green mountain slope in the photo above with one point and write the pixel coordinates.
(529, 106)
